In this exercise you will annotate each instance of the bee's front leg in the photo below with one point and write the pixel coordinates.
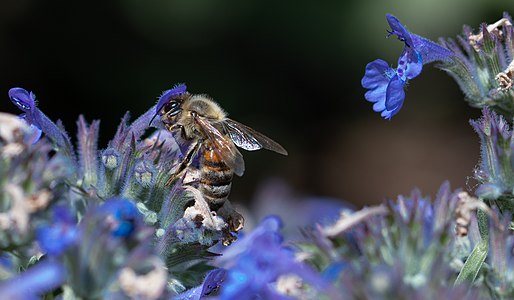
(186, 162)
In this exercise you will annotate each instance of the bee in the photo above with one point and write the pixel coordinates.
(212, 137)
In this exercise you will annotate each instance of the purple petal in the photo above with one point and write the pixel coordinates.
(26, 101)
(22, 99)
(386, 90)
(410, 64)
(55, 238)
(33, 283)
(399, 30)
(376, 79)
(213, 281)
(395, 95)
(125, 216)
(376, 74)
(175, 91)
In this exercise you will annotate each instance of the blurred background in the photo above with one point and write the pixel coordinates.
(290, 69)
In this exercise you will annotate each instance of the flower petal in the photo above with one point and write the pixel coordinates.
(395, 95)
(33, 283)
(55, 238)
(123, 214)
(399, 30)
(23, 99)
(179, 89)
(376, 74)
(410, 64)
(213, 281)
(376, 79)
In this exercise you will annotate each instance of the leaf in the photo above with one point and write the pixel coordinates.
(472, 266)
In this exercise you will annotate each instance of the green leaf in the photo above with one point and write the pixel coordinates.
(472, 266)
(483, 224)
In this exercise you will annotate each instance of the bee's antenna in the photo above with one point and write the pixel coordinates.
(149, 124)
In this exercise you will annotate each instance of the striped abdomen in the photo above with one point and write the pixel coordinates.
(215, 178)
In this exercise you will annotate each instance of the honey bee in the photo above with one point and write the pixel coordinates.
(203, 124)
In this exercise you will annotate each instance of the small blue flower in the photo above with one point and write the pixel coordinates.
(210, 286)
(213, 281)
(257, 260)
(37, 280)
(145, 173)
(332, 271)
(26, 101)
(55, 238)
(111, 158)
(123, 216)
(23, 99)
(386, 85)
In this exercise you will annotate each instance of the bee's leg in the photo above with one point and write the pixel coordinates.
(173, 127)
(186, 162)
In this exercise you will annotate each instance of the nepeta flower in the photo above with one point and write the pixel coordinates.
(122, 216)
(385, 84)
(111, 236)
(501, 259)
(257, 261)
(31, 178)
(495, 172)
(210, 286)
(401, 249)
(56, 237)
(35, 282)
(26, 101)
(116, 193)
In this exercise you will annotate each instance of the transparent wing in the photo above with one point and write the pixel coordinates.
(223, 146)
(250, 139)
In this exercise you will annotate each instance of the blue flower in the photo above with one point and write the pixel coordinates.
(210, 285)
(54, 239)
(386, 85)
(37, 280)
(23, 99)
(122, 215)
(256, 261)
(26, 101)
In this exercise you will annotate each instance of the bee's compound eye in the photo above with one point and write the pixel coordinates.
(172, 107)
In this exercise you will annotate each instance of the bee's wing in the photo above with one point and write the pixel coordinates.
(223, 146)
(250, 139)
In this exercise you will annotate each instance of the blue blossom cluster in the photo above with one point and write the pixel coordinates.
(408, 246)
(106, 220)
(482, 65)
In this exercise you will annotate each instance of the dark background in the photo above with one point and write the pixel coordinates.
(290, 69)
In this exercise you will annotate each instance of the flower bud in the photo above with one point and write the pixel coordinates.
(111, 158)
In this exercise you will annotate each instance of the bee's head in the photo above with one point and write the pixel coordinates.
(170, 103)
